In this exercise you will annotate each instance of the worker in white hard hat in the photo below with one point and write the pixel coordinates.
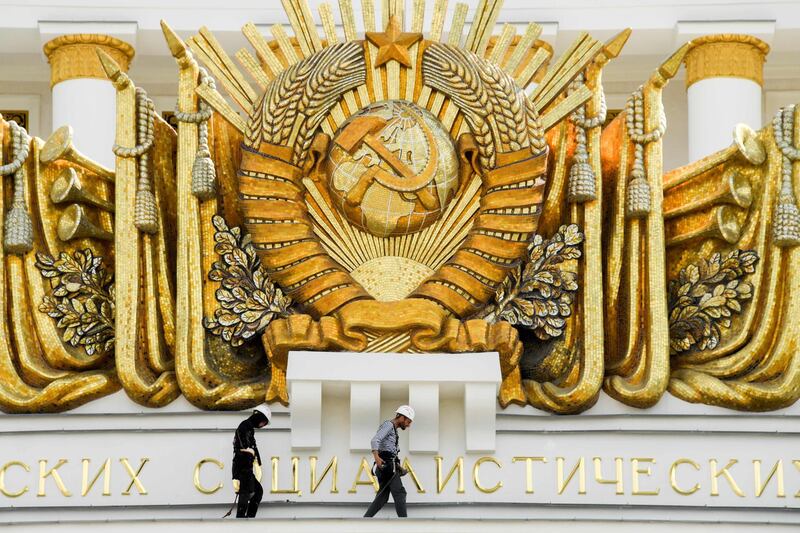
(385, 450)
(245, 454)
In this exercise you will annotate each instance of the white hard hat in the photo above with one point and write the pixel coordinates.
(406, 410)
(264, 410)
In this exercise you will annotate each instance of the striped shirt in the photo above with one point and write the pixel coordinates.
(385, 440)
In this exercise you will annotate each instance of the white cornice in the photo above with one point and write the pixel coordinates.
(126, 31)
(686, 30)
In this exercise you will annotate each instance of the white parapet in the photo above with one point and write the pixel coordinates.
(677, 466)
(421, 380)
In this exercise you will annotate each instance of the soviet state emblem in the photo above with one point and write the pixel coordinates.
(392, 168)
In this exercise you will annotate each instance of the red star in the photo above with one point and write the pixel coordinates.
(393, 43)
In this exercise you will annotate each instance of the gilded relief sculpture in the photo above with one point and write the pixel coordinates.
(144, 233)
(733, 300)
(636, 338)
(400, 191)
(58, 299)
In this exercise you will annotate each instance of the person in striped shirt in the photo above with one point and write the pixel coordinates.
(385, 450)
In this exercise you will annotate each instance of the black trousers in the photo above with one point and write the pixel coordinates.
(389, 482)
(250, 494)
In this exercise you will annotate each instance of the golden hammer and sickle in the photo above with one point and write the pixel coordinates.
(364, 130)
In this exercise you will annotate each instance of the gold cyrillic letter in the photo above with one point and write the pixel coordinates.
(44, 473)
(476, 475)
(364, 467)
(598, 474)
(724, 472)
(562, 483)
(134, 476)
(673, 477)
(295, 477)
(105, 471)
(3, 490)
(528, 470)
(777, 469)
(414, 478)
(459, 465)
(332, 465)
(197, 484)
(635, 471)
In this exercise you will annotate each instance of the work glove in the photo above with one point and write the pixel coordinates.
(236, 486)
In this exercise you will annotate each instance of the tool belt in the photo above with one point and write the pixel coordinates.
(391, 464)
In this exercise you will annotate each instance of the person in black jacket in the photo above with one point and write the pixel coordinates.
(245, 453)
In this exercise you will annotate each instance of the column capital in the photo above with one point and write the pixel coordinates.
(726, 55)
(74, 56)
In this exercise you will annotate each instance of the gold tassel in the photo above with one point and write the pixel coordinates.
(786, 220)
(204, 174)
(145, 215)
(18, 231)
(637, 203)
(638, 194)
(582, 180)
(787, 223)
(17, 225)
(582, 186)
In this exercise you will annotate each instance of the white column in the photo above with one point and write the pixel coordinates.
(365, 414)
(82, 95)
(724, 78)
(480, 408)
(424, 398)
(306, 414)
(94, 132)
(716, 105)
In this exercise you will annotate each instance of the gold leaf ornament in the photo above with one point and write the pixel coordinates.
(704, 298)
(248, 299)
(81, 300)
(538, 295)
